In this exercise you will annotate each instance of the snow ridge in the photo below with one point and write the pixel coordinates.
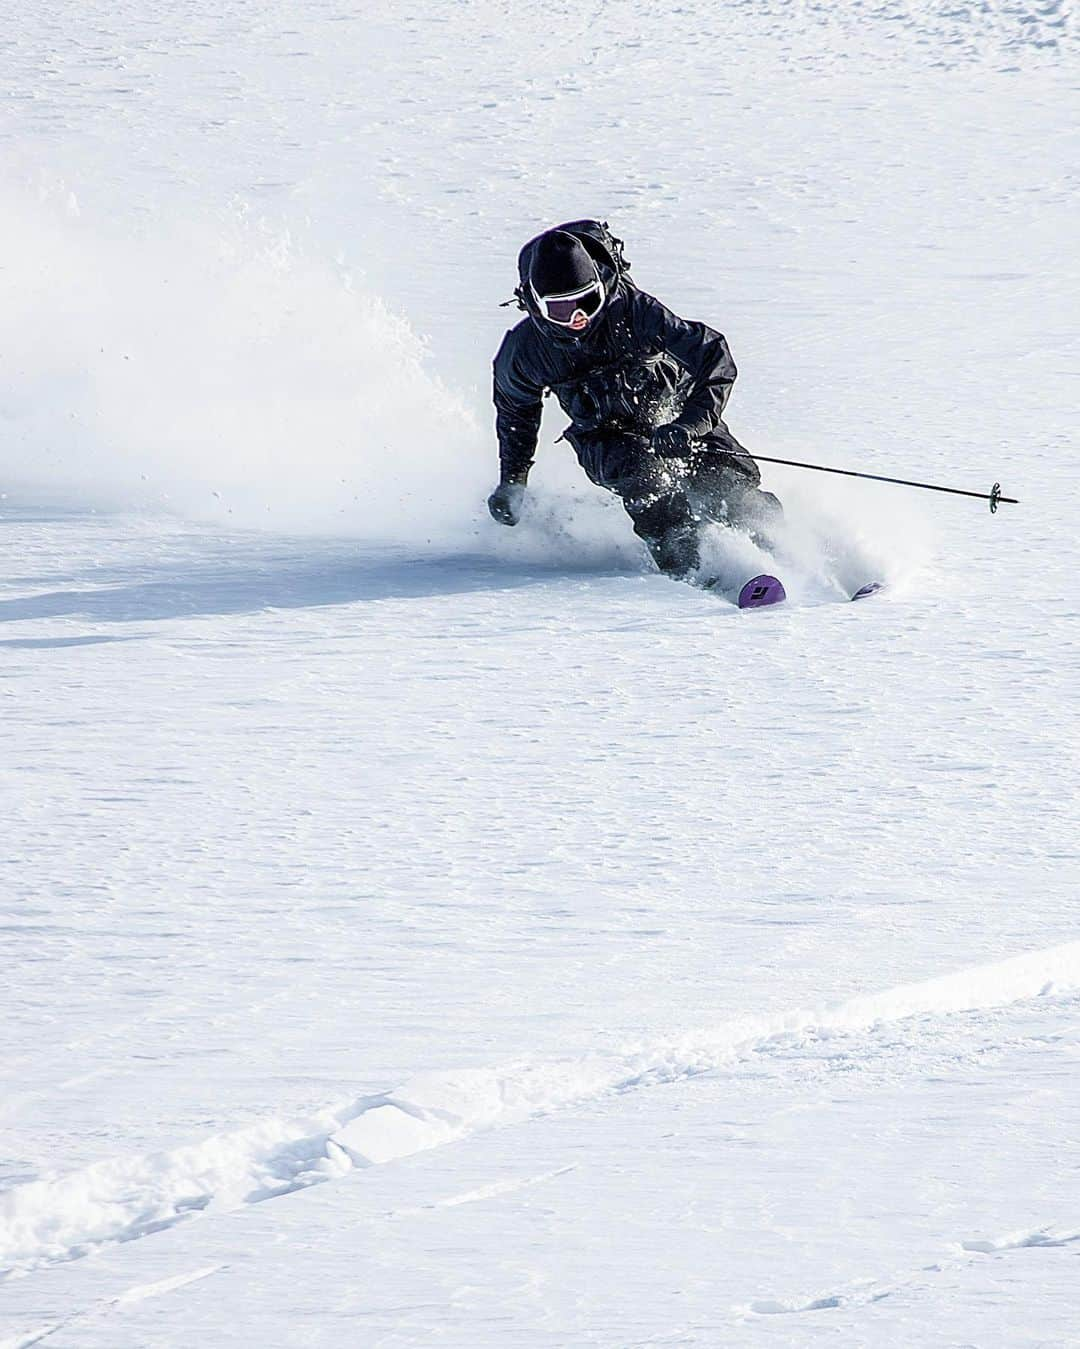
(61, 1219)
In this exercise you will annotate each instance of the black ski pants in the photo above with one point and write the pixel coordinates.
(669, 500)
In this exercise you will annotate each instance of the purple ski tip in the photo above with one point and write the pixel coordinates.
(761, 590)
(871, 588)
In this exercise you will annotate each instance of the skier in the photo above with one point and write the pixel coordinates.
(644, 390)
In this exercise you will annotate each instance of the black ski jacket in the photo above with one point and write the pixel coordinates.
(635, 367)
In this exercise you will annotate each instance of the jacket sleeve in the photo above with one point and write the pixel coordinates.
(703, 353)
(518, 409)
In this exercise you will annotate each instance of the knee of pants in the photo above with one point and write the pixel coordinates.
(758, 513)
(758, 507)
(660, 516)
(770, 504)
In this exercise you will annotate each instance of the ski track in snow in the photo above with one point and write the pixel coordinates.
(866, 1291)
(138, 1293)
(61, 1219)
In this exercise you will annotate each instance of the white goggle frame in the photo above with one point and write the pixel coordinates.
(542, 301)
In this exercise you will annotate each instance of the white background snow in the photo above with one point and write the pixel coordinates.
(420, 933)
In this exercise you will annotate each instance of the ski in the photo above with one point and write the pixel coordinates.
(754, 594)
(761, 590)
(870, 588)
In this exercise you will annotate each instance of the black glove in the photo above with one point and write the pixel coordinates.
(671, 441)
(505, 502)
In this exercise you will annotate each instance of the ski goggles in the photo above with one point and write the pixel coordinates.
(574, 309)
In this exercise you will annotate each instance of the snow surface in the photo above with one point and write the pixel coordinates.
(418, 932)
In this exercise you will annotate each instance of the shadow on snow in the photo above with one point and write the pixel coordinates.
(254, 583)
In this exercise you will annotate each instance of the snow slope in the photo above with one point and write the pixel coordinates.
(418, 932)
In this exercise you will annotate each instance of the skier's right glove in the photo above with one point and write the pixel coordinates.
(505, 502)
(671, 441)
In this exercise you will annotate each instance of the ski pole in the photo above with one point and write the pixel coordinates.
(993, 496)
